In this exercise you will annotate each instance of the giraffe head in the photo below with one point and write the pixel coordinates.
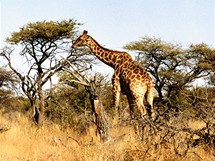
(81, 40)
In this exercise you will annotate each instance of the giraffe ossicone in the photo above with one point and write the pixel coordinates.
(128, 78)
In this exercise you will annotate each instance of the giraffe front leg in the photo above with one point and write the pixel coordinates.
(116, 91)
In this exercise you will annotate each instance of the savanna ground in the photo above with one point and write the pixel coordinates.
(21, 139)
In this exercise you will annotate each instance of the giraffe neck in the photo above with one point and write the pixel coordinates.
(105, 55)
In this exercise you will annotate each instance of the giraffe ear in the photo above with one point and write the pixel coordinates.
(85, 32)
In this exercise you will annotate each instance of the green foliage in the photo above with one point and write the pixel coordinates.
(103, 86)
(67, 104)
(4, 94)
(70, 102)
(45, 31)
(9, 102)
(202, 100)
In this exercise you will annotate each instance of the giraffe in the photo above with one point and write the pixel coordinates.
(128, 78)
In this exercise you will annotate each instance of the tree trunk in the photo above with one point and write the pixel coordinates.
(160, 94)
(101, 121)
(38, 112)
(100, 114)
(40, 105)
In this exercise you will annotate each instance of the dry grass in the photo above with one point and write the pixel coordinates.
(21, 140)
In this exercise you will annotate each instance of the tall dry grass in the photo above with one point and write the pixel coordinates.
(21, 140)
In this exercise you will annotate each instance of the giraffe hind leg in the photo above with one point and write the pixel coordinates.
(139, 91)
(116, 90)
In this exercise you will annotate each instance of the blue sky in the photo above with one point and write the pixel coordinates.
(113, 23)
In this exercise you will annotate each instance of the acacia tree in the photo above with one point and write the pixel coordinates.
(92, 88)
(202, 61)
(172, 68)
(42, 44)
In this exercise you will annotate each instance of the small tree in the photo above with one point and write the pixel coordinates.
(201, 61)
(92, 88)
(42, 44)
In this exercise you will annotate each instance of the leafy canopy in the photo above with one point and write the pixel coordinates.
(45, 30)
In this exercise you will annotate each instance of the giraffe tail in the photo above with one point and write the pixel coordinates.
(150, 94)
(150, 98)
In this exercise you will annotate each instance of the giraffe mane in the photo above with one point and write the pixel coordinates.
(104, 47)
